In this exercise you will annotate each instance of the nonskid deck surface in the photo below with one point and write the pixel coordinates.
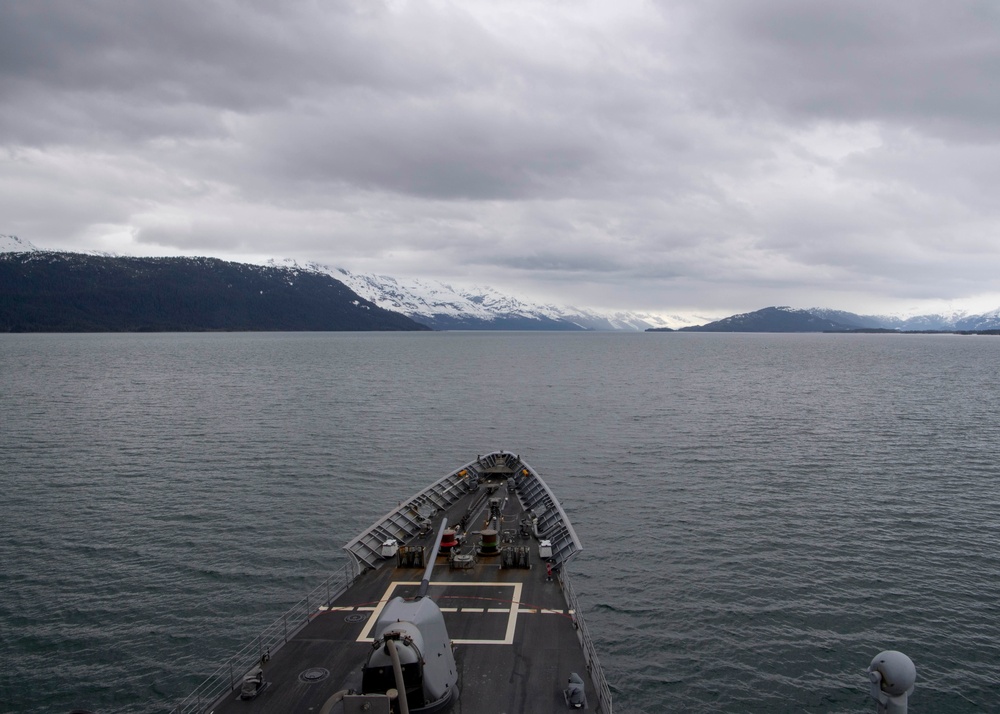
(515, 640)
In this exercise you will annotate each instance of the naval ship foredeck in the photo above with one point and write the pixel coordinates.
(510, 613)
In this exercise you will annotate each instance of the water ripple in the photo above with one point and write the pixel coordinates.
(761, 513)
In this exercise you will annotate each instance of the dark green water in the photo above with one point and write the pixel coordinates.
(761, 514)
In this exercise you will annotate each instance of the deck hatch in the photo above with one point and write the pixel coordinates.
(313, 675)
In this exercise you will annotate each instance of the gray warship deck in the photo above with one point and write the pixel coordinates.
(515, 631)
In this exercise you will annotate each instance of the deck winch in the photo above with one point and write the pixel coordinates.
(449, 540)
(489, 544)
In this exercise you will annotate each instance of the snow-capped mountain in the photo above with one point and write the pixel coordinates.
(444, 306)
(13, 244)
(787, 319)
(986, 321)
(958, 320)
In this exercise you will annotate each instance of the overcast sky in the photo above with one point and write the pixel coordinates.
(675, 157)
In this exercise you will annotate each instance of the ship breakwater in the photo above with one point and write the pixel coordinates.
(760, 514)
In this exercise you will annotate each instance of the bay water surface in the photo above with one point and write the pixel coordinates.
(761, 514)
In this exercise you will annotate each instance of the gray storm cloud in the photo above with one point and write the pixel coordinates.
(655, 156)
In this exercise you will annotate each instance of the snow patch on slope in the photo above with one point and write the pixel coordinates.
(13, 244)
(433, 300)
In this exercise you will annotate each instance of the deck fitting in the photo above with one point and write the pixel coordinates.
(314, 674)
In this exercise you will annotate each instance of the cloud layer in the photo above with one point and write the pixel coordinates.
(712, 156)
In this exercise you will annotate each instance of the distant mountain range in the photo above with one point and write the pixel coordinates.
(430, 304)
(444, 307)
(786, 319)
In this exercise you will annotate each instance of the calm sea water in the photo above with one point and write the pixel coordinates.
(761, 514)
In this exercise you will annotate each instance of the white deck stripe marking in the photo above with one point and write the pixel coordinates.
(448, 609)
(512, 618)
(365, 635)
(473, 609)
(498, 609)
